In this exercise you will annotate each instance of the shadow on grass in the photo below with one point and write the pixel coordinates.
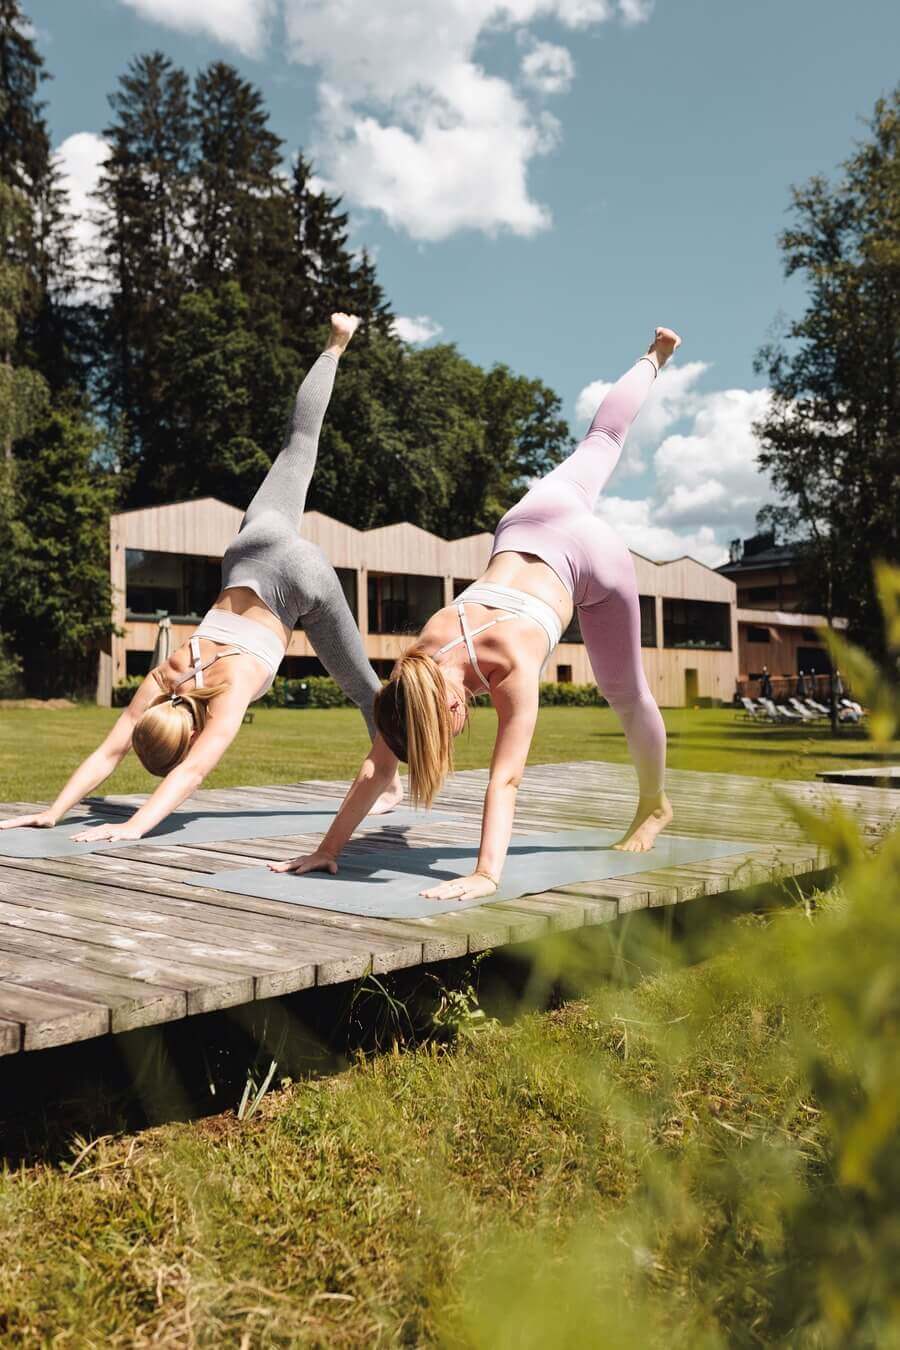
(198, 1067)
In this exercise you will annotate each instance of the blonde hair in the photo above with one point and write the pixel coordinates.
(413, 716)
(163, 734)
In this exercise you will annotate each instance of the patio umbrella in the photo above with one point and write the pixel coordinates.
(163, 644)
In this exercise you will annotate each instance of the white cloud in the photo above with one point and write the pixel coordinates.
(237, 23)
(633, 519)
(418, 329)
(80, 159)
(412, 126)
(635, 11)
(707, 487)
(548, 68)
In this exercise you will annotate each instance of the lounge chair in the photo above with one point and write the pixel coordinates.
(818, 708)
(778, 712)
(751, 710)
(806, 714)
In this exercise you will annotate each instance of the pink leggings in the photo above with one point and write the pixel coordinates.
(555, 521)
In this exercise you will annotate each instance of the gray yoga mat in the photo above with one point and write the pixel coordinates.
(198, 827)
(387, 885)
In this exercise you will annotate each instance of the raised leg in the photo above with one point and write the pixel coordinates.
(611, 628)
(286, 485)
(591, 463)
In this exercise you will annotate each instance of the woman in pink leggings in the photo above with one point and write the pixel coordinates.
(551, 556)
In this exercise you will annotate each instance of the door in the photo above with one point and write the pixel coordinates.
(691, 687)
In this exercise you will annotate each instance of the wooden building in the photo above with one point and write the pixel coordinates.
(166, 559)
(776, 630)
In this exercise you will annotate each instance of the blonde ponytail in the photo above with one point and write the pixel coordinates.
(163, 734)
(413, 716)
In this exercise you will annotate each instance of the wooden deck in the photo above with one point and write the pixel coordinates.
(111, 941)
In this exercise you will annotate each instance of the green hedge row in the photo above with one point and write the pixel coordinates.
(319, 691)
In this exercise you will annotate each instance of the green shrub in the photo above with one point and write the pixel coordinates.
(320, 691)
(123, 693)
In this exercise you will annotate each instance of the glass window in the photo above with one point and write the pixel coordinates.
(564, 674)
(648, 620)
(757, 595)
(758, 634)
(573, 632)
(459, 585)
(697, 623)
(178, 583)
(347, 578)
(403, 603)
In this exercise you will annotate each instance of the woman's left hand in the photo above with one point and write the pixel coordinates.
(109, 833)
(462, 888)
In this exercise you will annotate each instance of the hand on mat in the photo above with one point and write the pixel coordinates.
(309, 862)
(108, 833)
(462, 888)
(42, 821)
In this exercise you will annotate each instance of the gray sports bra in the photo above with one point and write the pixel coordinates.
(516, 605)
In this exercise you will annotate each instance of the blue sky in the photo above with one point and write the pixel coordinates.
(544, 180)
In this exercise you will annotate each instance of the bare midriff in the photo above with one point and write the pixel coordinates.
(526, 572)
(241, 600)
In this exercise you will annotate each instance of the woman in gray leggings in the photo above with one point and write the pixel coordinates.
(188, 710)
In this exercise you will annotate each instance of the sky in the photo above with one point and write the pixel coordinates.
(544, 181)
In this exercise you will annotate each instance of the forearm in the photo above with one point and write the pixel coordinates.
(86, 778)
(367, 787)
(175, 788)
(496, 827)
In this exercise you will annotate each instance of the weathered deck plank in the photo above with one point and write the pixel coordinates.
(113, 940)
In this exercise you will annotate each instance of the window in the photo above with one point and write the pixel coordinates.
(758, 634)
(564, 674)
(176, 583)
(299, 667)
(814, 660)
(459, 585)
(648, 620)
(137, 663)
(697, 623)
(757, 595)
(402, 604)
(347, 577)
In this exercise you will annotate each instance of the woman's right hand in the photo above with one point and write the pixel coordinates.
(308, 862)
(43, 820)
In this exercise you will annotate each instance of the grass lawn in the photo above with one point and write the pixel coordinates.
(39, 748)
(422, 1198)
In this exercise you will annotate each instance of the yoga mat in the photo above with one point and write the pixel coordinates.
(387, 885)
(197, 827)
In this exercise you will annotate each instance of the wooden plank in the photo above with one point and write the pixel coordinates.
(132, 1003)
(51, 1019)
(10, 1037)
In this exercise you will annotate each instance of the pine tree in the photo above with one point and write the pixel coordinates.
(241, 209)
(59, 592)
(145, 195)
(42, 244)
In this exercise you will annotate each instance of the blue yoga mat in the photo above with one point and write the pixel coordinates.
(197, 827)
(387, 885)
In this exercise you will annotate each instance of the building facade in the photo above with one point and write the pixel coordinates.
(166, 560)
(775, 630)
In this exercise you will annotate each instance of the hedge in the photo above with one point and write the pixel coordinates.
(319, 691)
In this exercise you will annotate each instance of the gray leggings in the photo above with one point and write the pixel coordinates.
(290, 574)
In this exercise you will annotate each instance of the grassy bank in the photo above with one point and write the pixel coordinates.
(39, 748)
(424, 1198)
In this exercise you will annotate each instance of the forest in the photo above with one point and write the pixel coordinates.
(162, 366)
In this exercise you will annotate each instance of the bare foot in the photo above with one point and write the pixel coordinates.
(389, 799)
(343, 326)
(665, 342)
(652, 815)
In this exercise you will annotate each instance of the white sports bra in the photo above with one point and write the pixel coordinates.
(246, 636)
(516, 604)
